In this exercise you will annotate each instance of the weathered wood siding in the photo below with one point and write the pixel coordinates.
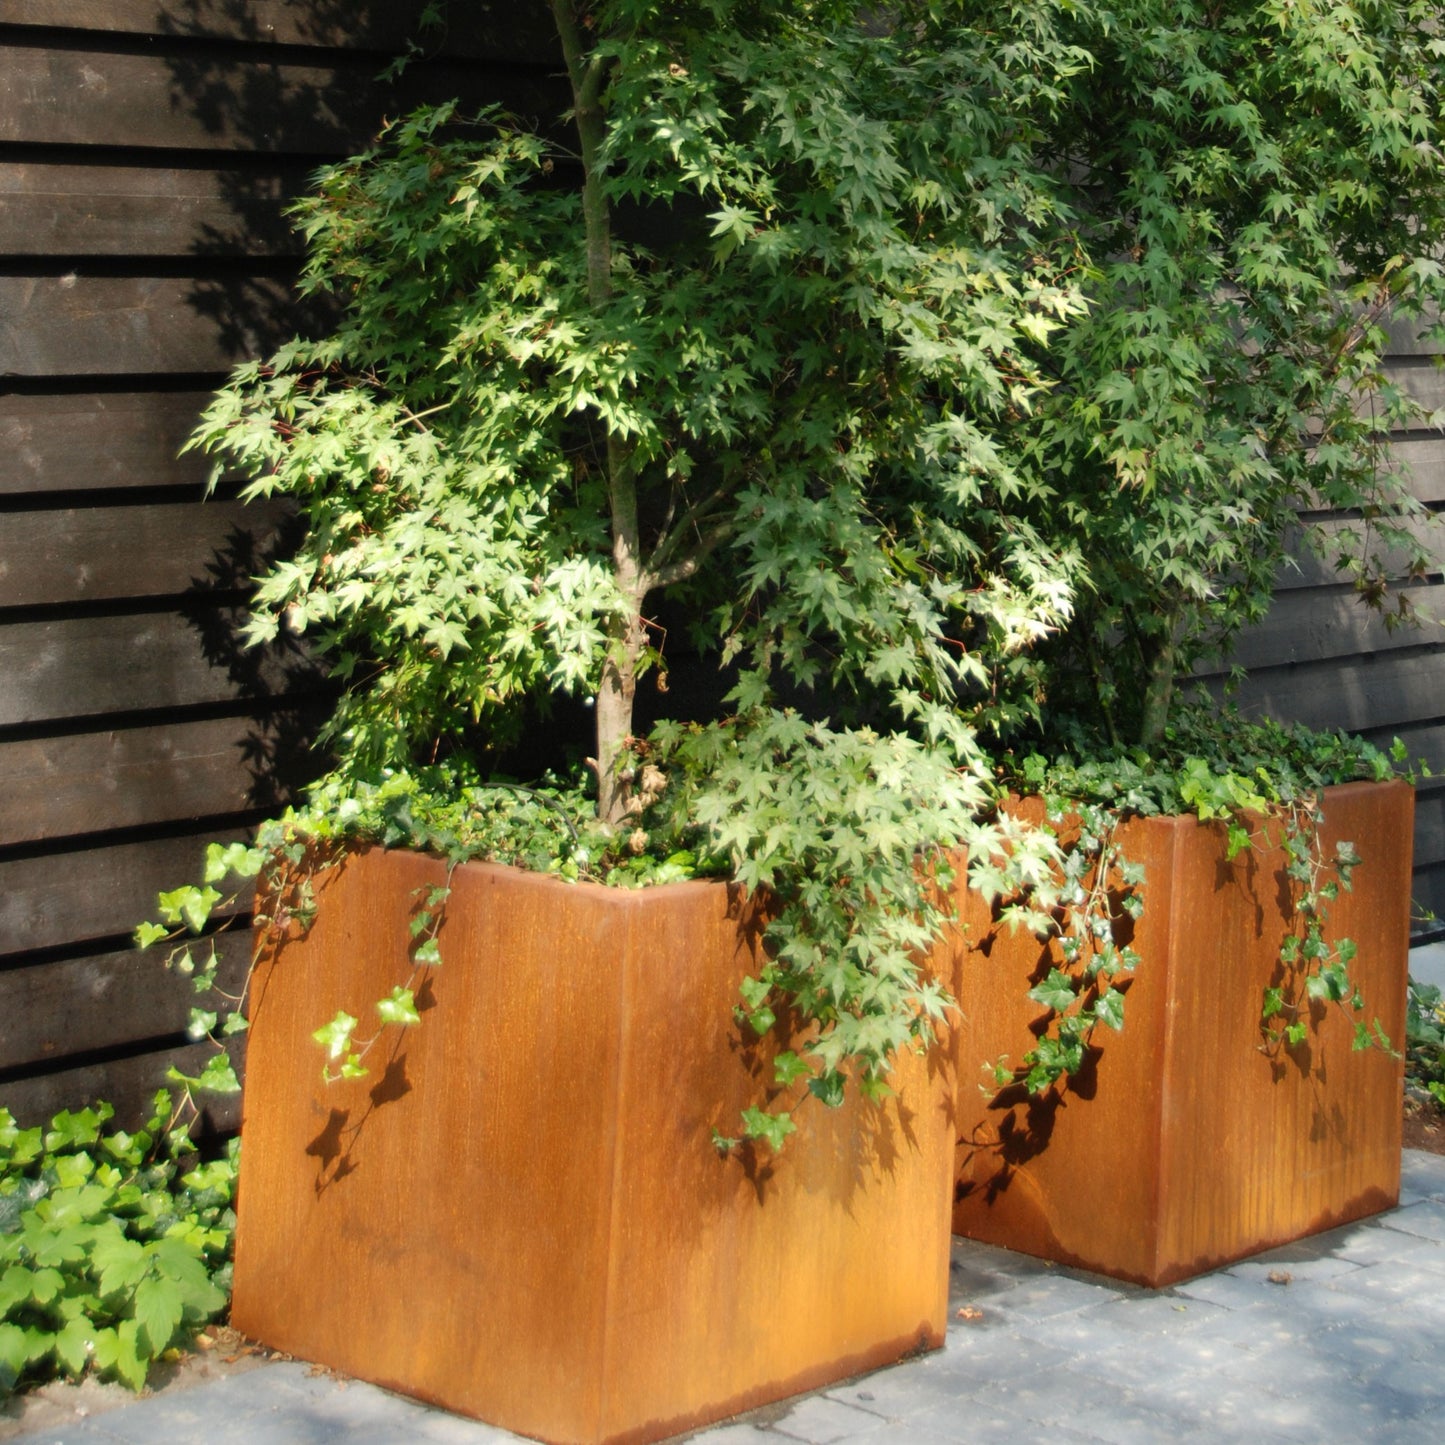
(147, 149)
(1326, 659)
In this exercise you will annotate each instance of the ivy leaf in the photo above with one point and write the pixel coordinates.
(45, 1284)
(14, 1355)
(119, 1351)
(14, 1287)
(72, 1345)
(1109, 1008)
(754, 993)
(335, 1037)
(788, 1068)
(189, 904)
(761, 1020)
(201, 1024)
(119, 1263)
(772, 1129)
(149, 933)
(158, 1311)
(1056, 992)
(218, 1077)
(237, 858)
(398, 1007)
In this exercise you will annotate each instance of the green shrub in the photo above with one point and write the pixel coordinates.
(113, 1246)
(1425, 1040)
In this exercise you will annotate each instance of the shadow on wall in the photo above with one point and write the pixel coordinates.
(282, 89)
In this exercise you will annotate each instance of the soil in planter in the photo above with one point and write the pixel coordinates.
(1424, 1125)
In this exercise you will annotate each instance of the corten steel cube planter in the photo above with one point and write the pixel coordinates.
(1183, 1145)
(519, 1214)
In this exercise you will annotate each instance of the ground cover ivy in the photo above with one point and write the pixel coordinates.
(1425, 1040)
(114, 1246)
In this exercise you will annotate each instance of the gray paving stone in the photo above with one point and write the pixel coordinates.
(1362, 1346)
(1042, 1297)
(824, 1421)
(1376, 1242)
(1413, 1379)
(1228, 1291)
(1422, 1176)
(1391, 1284)
(736, 1433)
(1426, 1219)
(971, 1361)
(439, 1428)
(891, 1394)
(1307, 1265)
(1152, 1313)
(964, 1422)
(1122, 1421)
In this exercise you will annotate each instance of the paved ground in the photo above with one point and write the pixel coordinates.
(1340, 1338)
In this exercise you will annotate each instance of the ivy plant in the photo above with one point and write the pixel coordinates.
(1425, 1040)
(114, 1246)
(1261, 781)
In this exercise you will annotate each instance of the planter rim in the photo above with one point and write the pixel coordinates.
(617, 896)
(1353, 788)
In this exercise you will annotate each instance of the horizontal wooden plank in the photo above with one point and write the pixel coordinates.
(1424, 744)
(129, 1084)
(90, 554)
(89, 666)
(514, 29)
(1429, 853)
(67, 786)
(54, 900)
(94, 440)
(93, 210)
(1360, 694)
(1407, 338)
(1424, 457)
(1427, 912)
(52, 1011)
(1307, 568)
(1423, 383)
(217, 103)
(55, 326)
(1309, 626)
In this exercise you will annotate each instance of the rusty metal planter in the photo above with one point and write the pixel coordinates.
(1183, 1145)
(519, 1214)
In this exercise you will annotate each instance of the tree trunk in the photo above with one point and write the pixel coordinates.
(627, 636)
(1158, 689)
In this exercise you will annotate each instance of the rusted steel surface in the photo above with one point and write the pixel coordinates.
(1184, 1143)
(520, 1215)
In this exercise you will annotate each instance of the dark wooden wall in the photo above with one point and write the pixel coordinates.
(1324, 658)
(146, 150)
